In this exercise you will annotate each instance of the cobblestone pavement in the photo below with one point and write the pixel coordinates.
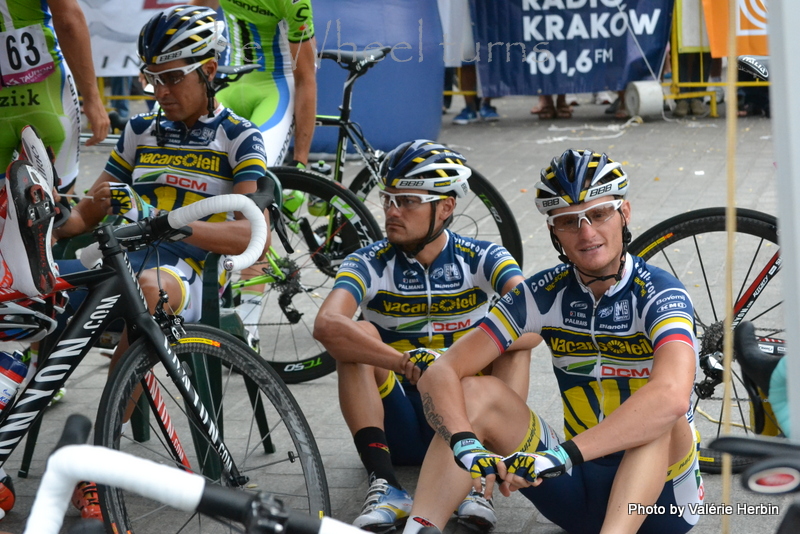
(674, 167)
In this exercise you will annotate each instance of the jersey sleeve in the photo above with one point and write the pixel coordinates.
(670, 318)
(247, 156)
(121, 161)
(508, 318)
(300, 18)
(354, 277)
(499, 267)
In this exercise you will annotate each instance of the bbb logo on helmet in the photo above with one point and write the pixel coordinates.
(604, 189)
(551, 202)
(411, 183)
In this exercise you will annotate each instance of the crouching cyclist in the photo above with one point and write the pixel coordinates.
(421, 288)
(621, 334)
(190, 149)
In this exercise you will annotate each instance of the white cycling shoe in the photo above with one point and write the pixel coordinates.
(385, 508)
(477, 512)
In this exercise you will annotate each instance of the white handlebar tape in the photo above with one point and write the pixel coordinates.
(69, 465)
(222, 203)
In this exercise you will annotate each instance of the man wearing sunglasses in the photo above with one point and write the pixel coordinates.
(420, 289)
(621, 335)
(191, 148)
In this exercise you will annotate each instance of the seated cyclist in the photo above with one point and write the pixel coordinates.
(621, 334)
(421, 288)
(190, 149)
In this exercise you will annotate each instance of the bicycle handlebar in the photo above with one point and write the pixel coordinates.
(176, 488)
(161, 226)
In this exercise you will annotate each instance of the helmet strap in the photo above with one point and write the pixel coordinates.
(209, 92)
(159, 135)
(433, 234)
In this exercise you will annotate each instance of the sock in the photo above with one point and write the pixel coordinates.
(250, 312)
(416, 523)
(374, 452)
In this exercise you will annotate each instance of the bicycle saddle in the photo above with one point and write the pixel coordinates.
(226, 74)
(757, 66)
(355, 61)
(756, 364)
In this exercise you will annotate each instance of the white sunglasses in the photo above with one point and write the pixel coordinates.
(407, 201)
(171, 77)
(597, 215)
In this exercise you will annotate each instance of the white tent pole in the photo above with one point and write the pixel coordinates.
(785, 105)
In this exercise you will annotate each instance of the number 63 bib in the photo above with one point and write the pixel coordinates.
(24, 56)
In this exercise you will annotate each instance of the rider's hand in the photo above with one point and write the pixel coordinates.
(549, 463)
(471, 455)
(98, 119)
(416, 362)
(127, 203)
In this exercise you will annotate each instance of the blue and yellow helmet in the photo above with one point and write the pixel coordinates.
(424, 164)
(182, 32)
(579, 176)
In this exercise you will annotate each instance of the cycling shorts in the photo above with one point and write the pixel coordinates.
(407, 431)
(188, 304)
(577, 501)
(268, 102)
(52, 107)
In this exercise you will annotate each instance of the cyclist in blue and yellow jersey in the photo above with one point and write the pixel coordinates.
(420, 289)
(190, 149)
(46, 52)
(621, 334)
(280, 97)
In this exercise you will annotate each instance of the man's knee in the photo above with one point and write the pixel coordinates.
(152, 284)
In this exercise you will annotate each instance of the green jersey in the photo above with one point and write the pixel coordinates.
(260, 32)
(29, 51)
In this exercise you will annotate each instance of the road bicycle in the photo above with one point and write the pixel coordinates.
(197, 398)
(71, 462)
(691, 246)
(482, 215)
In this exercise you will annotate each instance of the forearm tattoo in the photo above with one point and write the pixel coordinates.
(434, 419)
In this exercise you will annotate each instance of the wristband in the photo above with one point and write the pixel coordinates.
(572, 451)
(458, 436)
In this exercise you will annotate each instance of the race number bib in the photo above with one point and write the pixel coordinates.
(24, 57)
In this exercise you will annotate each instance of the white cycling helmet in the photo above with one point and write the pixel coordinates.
(423, 164)
(182, 32)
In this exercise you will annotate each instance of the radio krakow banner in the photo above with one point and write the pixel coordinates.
(528, 47)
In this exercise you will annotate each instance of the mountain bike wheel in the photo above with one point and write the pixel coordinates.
(483, 214)
(326, 222)
(691, 247)
(278, 453)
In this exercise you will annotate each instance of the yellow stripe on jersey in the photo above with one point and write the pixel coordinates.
(611, 397)
(671, 322)
(197, 266)
(248, 162)
(504, 321)
(165, 198)
(351, 276)
(387, 387)
(499, 270)
(577, 402)
(117, 158)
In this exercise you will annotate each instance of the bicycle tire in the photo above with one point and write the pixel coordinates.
(688, 246)
(293, 471)
(286, 338)
(483, 215)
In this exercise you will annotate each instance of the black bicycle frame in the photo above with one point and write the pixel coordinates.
(112, 295)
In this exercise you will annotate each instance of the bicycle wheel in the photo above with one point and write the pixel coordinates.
(326, 222)
(692, 246)
(258, 418)
(483, 215)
